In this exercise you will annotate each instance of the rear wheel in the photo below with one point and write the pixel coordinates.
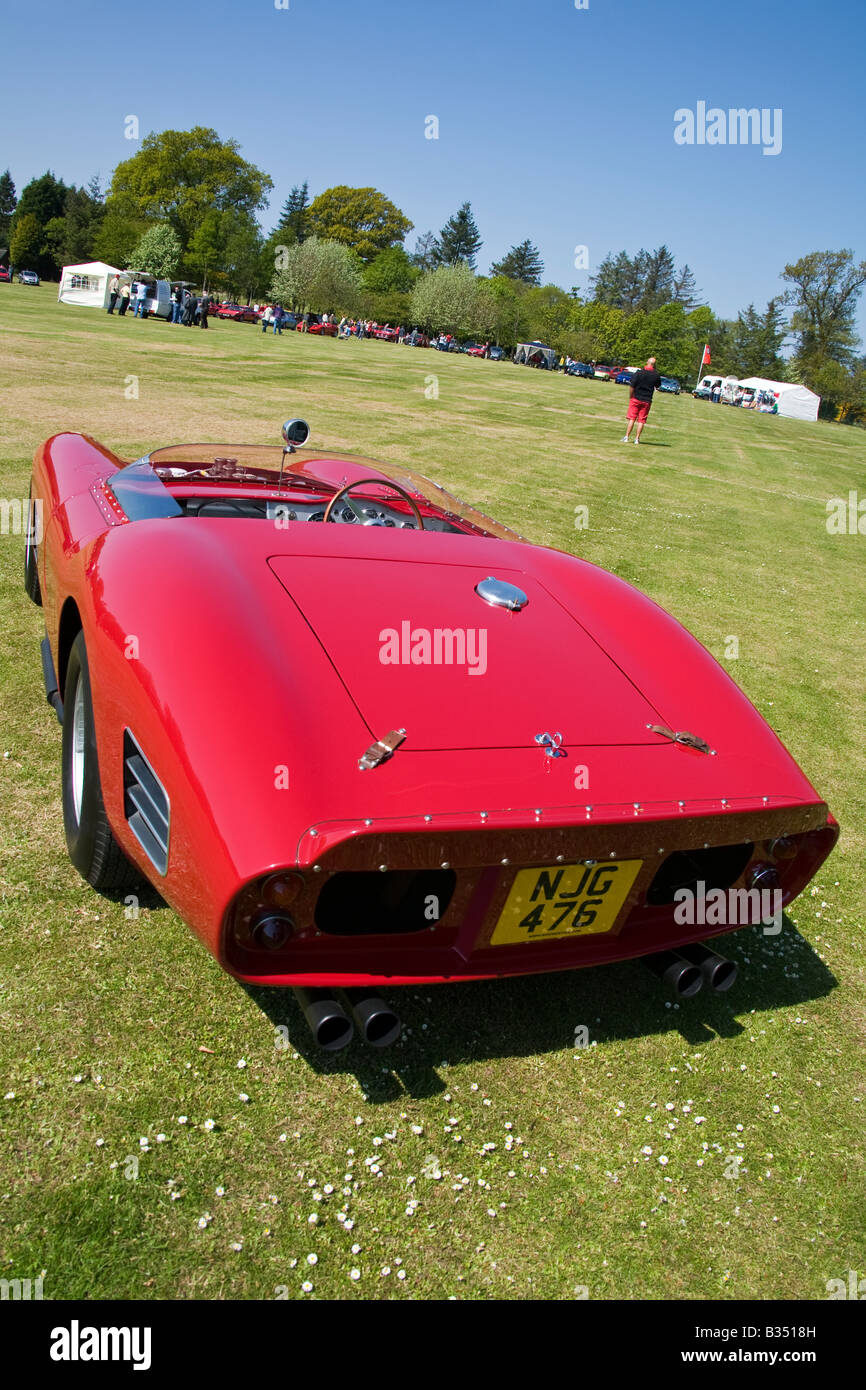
(92, 847)
(31, 569)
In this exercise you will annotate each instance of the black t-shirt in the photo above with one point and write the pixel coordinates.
(644, 383)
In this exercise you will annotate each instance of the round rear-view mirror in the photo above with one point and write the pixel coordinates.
(296, 432)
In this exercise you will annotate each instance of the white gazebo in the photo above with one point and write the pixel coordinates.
(797, 402)
(87, 284)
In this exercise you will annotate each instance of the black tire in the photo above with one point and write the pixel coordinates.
(92, 847)
(31, 570)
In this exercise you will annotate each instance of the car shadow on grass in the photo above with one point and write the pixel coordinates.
(537, 1014)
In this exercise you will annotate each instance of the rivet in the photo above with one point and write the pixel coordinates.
(637, 805)
(317, 868)
(445, 864)
(724, 801)
(612, 854)
(560, 858)
(538, 811)
(368, 822)
(766, 800)
(661, 851)
(706, 846)
(428, 818)
(590, 863)
(681, 804)
(504, 861)
(383, 868)
(483, 815)
(314, 832)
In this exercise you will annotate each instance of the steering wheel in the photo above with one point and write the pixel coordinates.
(383, 482)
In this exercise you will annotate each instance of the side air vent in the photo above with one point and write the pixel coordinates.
(145, 804)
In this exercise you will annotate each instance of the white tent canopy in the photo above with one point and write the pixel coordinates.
(86, 284)
(798, 402)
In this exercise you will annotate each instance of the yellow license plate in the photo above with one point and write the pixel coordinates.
(565, 900)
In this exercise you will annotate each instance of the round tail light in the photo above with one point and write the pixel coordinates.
(763, 876)
(273, 930)
(784, 847)
(280, 890)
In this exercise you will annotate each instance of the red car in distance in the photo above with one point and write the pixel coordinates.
(241, 313)
(6, 273)
(386, 333)
(323, 330)
(305, 695)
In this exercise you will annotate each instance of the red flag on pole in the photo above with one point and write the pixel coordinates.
(706, 359)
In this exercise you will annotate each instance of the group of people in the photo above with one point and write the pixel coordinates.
(186, 308)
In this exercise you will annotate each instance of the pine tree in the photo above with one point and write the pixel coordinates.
(426, 253)
(521, 263)
(293, 218)
(459, 239)
(8, 202)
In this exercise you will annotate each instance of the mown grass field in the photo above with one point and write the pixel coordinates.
(712, 1149)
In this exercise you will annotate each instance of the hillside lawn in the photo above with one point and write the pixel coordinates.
(524, 1154)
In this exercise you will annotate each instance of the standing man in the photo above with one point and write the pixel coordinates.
(277, 318)
(124, 299)
(140, 300)
(204, 306)
(643, 383)
(113, 292)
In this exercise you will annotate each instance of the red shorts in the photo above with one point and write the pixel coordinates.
(638, 410)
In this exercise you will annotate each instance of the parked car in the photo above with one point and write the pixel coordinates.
(624, 378)
(432, 831)
(324, 330)
(670, 384)
(580, 369)
(476, 349)
(5, 273)
(28, 277)
(496, 354)
(602, 373)
(416, 339)
(241, 313)
(385, 333)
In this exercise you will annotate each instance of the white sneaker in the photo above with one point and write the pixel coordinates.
(636, 440)
(624, 439)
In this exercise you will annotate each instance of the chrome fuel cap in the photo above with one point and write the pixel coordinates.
(501, 594)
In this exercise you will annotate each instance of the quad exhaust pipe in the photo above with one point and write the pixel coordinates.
(333, 1026)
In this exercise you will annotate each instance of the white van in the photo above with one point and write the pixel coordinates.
(158, 294)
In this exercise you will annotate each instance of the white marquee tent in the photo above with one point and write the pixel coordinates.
(798, 402)
(86, 284)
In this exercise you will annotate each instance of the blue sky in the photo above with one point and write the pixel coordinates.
(555, 123)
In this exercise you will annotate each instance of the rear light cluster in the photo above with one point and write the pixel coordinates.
(261, 916)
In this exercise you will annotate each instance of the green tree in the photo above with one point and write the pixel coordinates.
(392, 270)
(116, 237)
(459, 239)
(758, 339)
(181, 176)
(447, 299)
(521, 263)
(824, 289)
(426, 253)
(42, 199)
(292, 225)
(322, 276)
(158, 252)
(25, 244)
(8, 203)
(551, 315)
(361, 218)
(512, 321)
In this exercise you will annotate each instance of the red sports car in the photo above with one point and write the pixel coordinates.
(356, 732)
(386, 334)
(242, 313)
(326, 330)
